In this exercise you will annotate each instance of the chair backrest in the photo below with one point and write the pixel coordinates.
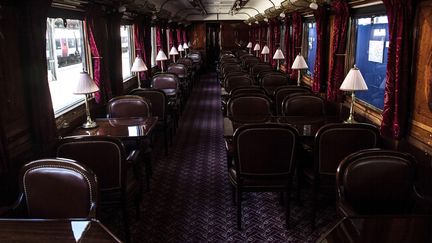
(248, 61)
(179, 69)
(230, 68)
(195, 56)
(250, 90)
(333, 142)
(186, 61)
(249, 109)
(265, 150)
(287, 91)
(128, 106)
(233, 82)
(58, 188)
(157, 98)
(375, 181)
(303, 105)
(259, 67)
(167, 82)
(272, 81)
(104, 155)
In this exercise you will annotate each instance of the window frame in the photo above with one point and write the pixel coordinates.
(366, 12)
(305, 44)
(131, 50)
(87, 59)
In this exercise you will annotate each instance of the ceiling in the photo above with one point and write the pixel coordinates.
(207, 10)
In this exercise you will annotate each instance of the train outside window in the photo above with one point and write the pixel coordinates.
(65, 55)
(311, 46)
(372, 42)
(126, 46)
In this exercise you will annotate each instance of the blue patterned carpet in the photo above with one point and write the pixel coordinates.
(190, 197)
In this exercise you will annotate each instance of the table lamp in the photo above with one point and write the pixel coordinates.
(180, 49)
(299, 64)
(265, 51)
(161, 56)
(257, 48)
(86, 86)
(249, 46)
(173, 52)
(278, 56)
(185, 47)
(138, 66)
(354, 81)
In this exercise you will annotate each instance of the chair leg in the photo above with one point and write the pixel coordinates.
(281, 198)
(233, 191)
(166, 139)
(239, 211)
(314, 204)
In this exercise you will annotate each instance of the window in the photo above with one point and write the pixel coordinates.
(371, 57)
(65, 60)
(311, 46)
(126, 47)
(154, 49)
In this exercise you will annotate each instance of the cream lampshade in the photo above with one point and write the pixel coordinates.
(173, 52)
(185, 47)
(180, 49)
(354, 81)
(257, 48)
(138, 66)
(299, 64)
(86, 86)
(265, 51)
(161, 56)
(249, 46)
(278, 56)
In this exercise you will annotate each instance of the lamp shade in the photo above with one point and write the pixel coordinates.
(185, 46)
(265, 50)
(249, 45)
(161, 56)
(180, 48)
(257, 47)
(354, 81)
(85, 84)
(278, 55)
(138, 65)
(299, 62)
(173, 51)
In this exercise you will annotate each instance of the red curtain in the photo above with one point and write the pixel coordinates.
(321, 28)
(32, 34)
(263, 39)
(179, 36)
(98, 34)
(171, 38)
(158, 43)
(274, 38)
(337, 56)
(288, 40)
(184, 35)
(139, 37)
(296, 39)
(395, 114)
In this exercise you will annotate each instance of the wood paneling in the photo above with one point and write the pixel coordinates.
(198, 36)
(234, 34)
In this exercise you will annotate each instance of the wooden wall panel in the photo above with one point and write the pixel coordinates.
(421, 121)
(234, 34)
(198, 36)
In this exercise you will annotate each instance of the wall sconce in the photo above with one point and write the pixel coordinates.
(265, 51)
(173, 52)
(257, 48)
(249, 46)
(180, 49)
(278, 56)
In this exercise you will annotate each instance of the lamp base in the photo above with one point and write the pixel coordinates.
(89, 125)
(350, 120)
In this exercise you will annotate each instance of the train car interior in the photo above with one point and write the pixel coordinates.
(216, 121)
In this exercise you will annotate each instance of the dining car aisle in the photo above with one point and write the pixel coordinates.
(190, 196)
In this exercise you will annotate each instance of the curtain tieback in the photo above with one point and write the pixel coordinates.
(97, 57)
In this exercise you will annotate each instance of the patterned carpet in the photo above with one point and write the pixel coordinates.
(190, 197)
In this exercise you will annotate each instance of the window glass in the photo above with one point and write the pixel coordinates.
(372, 43)
(126, 46)
(311, 46)
(153, 43)
(65, 60)
(282, 40)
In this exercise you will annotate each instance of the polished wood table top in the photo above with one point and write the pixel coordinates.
(120, 127)
(381, 229)
(39, 230)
